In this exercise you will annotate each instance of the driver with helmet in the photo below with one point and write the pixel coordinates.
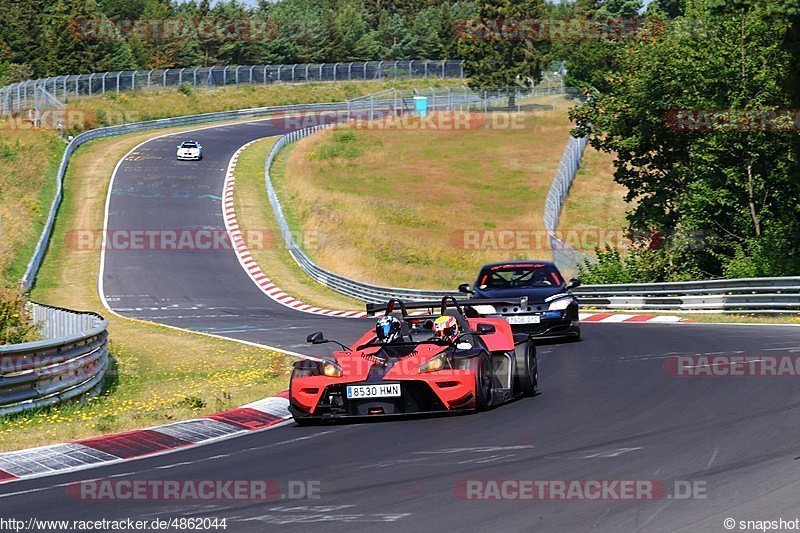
(446, 328)
(388, 329)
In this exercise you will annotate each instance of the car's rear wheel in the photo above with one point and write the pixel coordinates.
(484, 383)
(527, 368)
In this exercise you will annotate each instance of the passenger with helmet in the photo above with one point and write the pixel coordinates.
(388, 329)
(446, 328)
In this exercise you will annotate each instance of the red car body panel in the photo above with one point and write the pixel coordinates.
(502, 340)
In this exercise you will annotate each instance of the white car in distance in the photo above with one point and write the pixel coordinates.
(190, 151)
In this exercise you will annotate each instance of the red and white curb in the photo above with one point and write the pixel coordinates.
(246, 259)
(101, 451)
(607, 318)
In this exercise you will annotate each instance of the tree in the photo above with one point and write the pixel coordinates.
(502, 62)
(68, 53)
(721, 190)
(610, 9)
(670, 8)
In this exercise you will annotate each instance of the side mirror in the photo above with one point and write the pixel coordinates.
(486, 329)
(465, 288)
(573, 284)
(316, 338)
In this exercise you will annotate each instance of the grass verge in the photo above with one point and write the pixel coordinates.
(255, 216)
(594, 212)
(29, 161)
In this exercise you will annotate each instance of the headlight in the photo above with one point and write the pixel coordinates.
(331, 369)
(560, 304)
(434, 364)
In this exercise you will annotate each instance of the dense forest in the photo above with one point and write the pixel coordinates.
(41, 38)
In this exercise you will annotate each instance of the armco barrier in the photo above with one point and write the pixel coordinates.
(751, 295)
(70, 361)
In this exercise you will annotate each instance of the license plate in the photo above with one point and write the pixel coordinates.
(391, 390)
(524, 319)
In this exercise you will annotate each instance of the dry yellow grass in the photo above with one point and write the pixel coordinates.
(594, 213)
(393, 206)
(28, 160)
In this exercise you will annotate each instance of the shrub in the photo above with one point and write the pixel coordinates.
(186, 89)
(343, 144)
(16, 323)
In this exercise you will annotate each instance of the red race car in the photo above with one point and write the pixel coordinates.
(451, 360)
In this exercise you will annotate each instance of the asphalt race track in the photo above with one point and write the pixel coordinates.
(608, 409)
(202, 291)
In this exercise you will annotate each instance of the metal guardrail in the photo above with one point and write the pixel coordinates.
(757, 295)
(71, 360)
(29, 94)
(748, 295)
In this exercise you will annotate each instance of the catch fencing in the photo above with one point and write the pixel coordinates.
(54, 91)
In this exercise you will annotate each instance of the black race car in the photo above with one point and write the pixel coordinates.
(549, 309)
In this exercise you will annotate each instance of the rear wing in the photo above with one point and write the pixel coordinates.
(443, 304)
